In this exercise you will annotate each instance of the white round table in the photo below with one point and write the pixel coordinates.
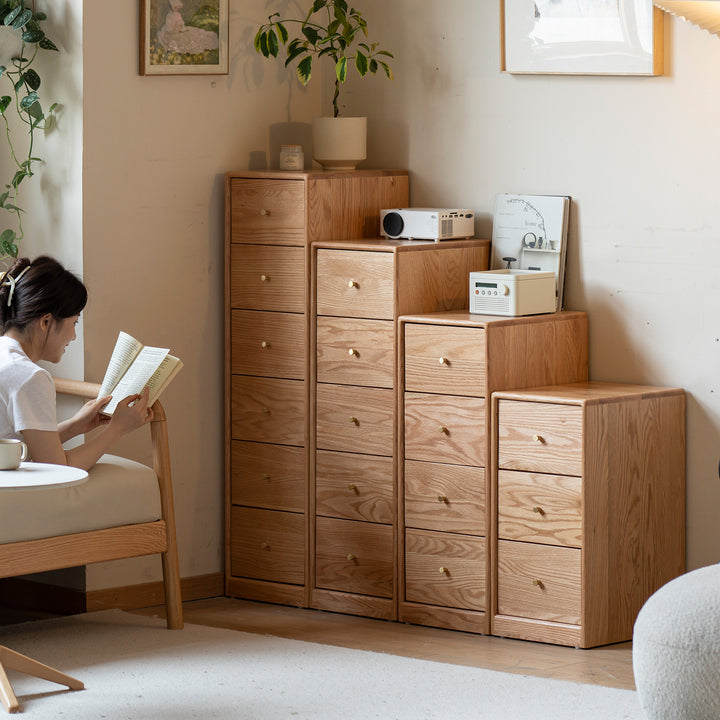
(41, 476)
(38, 476)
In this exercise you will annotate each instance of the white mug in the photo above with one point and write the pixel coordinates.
(12, 453)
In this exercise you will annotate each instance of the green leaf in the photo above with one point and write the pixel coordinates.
(2, 70)
(33, 36)
(47, 44)
(4, 197)
(5, 101)
(10, 17)
(35, 111)
(272, 43)
(361, 63)
(22, 19)
(7, 242)
(19, 176)
(40, 16)
(341, 69)
(294, 52)
(32, 79)
(264, 45)
(341, 4)
(386, 68)
(311, 34)
(304, 70)
(282, 32)
(318, 5)
(373, 67)
(29, 100)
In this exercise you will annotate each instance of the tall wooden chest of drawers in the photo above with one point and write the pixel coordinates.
(361, 287)
(271, 220)
(450, 365)
(590, 492)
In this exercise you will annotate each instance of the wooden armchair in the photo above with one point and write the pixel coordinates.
(91, 538)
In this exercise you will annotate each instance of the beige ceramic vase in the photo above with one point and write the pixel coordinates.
(339, 143)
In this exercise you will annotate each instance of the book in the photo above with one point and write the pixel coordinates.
(530, 233)
(133, 367)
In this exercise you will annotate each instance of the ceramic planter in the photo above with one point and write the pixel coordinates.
(339, 143)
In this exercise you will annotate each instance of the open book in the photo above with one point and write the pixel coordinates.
(133, 367)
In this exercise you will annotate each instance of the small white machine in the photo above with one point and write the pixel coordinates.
(427, 223)
(512, 292)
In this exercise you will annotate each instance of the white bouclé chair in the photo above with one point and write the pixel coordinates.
(676, 649)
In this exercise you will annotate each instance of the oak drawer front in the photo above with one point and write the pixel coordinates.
(354, 557)
(355, 419)
(445, 428)
(268, 344)
(354, 283)
(268, 476)
(266, 277)
(444, 359)
(540, 437)
(354, 487)
(353, 351)
(268, 211)
(540, 508)
(445, 569)
(268, 410)
(539, 581)
(267, 545)
(448, 498)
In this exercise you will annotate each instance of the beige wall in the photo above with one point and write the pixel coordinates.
(155, 151)
(638, 156)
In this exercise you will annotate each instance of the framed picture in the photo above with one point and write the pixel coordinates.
(582, 37)
(183, 37)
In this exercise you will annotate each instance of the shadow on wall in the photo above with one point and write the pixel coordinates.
(284, 133)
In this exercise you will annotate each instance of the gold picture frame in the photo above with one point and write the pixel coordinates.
(605, 37)
(184, 37)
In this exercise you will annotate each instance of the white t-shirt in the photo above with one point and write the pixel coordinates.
(27, 393)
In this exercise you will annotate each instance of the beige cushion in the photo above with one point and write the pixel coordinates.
(118, 492)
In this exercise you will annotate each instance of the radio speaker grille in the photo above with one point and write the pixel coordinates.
(498, 305)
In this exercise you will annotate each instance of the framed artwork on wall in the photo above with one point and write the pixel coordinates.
(184, 37)
(581, 37)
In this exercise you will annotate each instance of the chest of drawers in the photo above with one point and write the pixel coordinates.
(271, 220)
(361, 287)
(590, 508)
(451, 364)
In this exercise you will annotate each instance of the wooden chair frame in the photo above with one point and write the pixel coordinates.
(65, 551)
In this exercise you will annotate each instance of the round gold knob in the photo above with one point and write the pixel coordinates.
(264, 212)
(351, 557)
(443, 361)
(539, 439)
(539, 584)
(442, 499)
(266, 476)
(352, 487)
(265, 278)
(353, 420)
(352, 284)
(443, 430)
(264, 344)
(538, 510)
(443, 570)
(266, 411)
(265, 546)
(353, 351)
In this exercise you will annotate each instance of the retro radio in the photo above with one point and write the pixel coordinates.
(512, 292)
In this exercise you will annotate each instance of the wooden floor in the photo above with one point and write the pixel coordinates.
(610, 666)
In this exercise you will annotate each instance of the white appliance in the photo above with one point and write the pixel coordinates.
(512, 292)
(427, 223)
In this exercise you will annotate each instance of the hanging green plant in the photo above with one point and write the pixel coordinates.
(21, 38)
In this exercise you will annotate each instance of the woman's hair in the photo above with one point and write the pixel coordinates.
(45, 287)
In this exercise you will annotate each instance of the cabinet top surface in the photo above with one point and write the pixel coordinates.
(383, 244)
(461, 317)
(319, 174)
(591, 392)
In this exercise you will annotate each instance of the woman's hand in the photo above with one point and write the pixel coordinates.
(86, 419)
(131, 413)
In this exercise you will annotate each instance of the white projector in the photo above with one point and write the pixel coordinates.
(427, 223)
(512, 292)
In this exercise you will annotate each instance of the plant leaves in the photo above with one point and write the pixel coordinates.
(22, 19)
(29, 100)
(10, 17)
(7, 242)
(318, 5)
(33, 36)
(361, 63)
(272, 43)
(304, 70)
(47, 44)
(282, 32)
(32, 79)
(35, 111)
(5, 101)
(311, 34)
(341, 69)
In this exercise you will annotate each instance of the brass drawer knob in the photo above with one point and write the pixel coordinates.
(264, 212)
(352, 284)
(265, 278)
(265, 546)
(443, 499)
(353, 488)
(265, 344)
(266, 411)
(443, 430)
(353, 420)
(443, 571)
(266, 476)
(539, 439)
(351, 557)
(539, 584)
(353, 352)
(443, 361)
(538, 510)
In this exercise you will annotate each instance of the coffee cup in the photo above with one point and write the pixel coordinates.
(12, 453)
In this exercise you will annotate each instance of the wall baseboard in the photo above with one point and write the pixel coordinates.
(20, 593)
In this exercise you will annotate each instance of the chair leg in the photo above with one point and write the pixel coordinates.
(173, 594)
(22, 663)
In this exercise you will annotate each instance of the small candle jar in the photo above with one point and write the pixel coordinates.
(291, 157)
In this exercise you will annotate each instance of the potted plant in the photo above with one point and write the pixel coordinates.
(21, 37)
(334, 30)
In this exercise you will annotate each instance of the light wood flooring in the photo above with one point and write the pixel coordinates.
(610, 666)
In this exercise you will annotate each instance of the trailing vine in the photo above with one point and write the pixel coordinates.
(23, 35)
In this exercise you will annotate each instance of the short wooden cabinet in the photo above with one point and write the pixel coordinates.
(450, 363)
(590, 508)
(360, 289)
(271, 220)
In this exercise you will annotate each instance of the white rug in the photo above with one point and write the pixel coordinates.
(135, 669)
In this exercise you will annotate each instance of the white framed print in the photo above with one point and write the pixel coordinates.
(582, 37)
